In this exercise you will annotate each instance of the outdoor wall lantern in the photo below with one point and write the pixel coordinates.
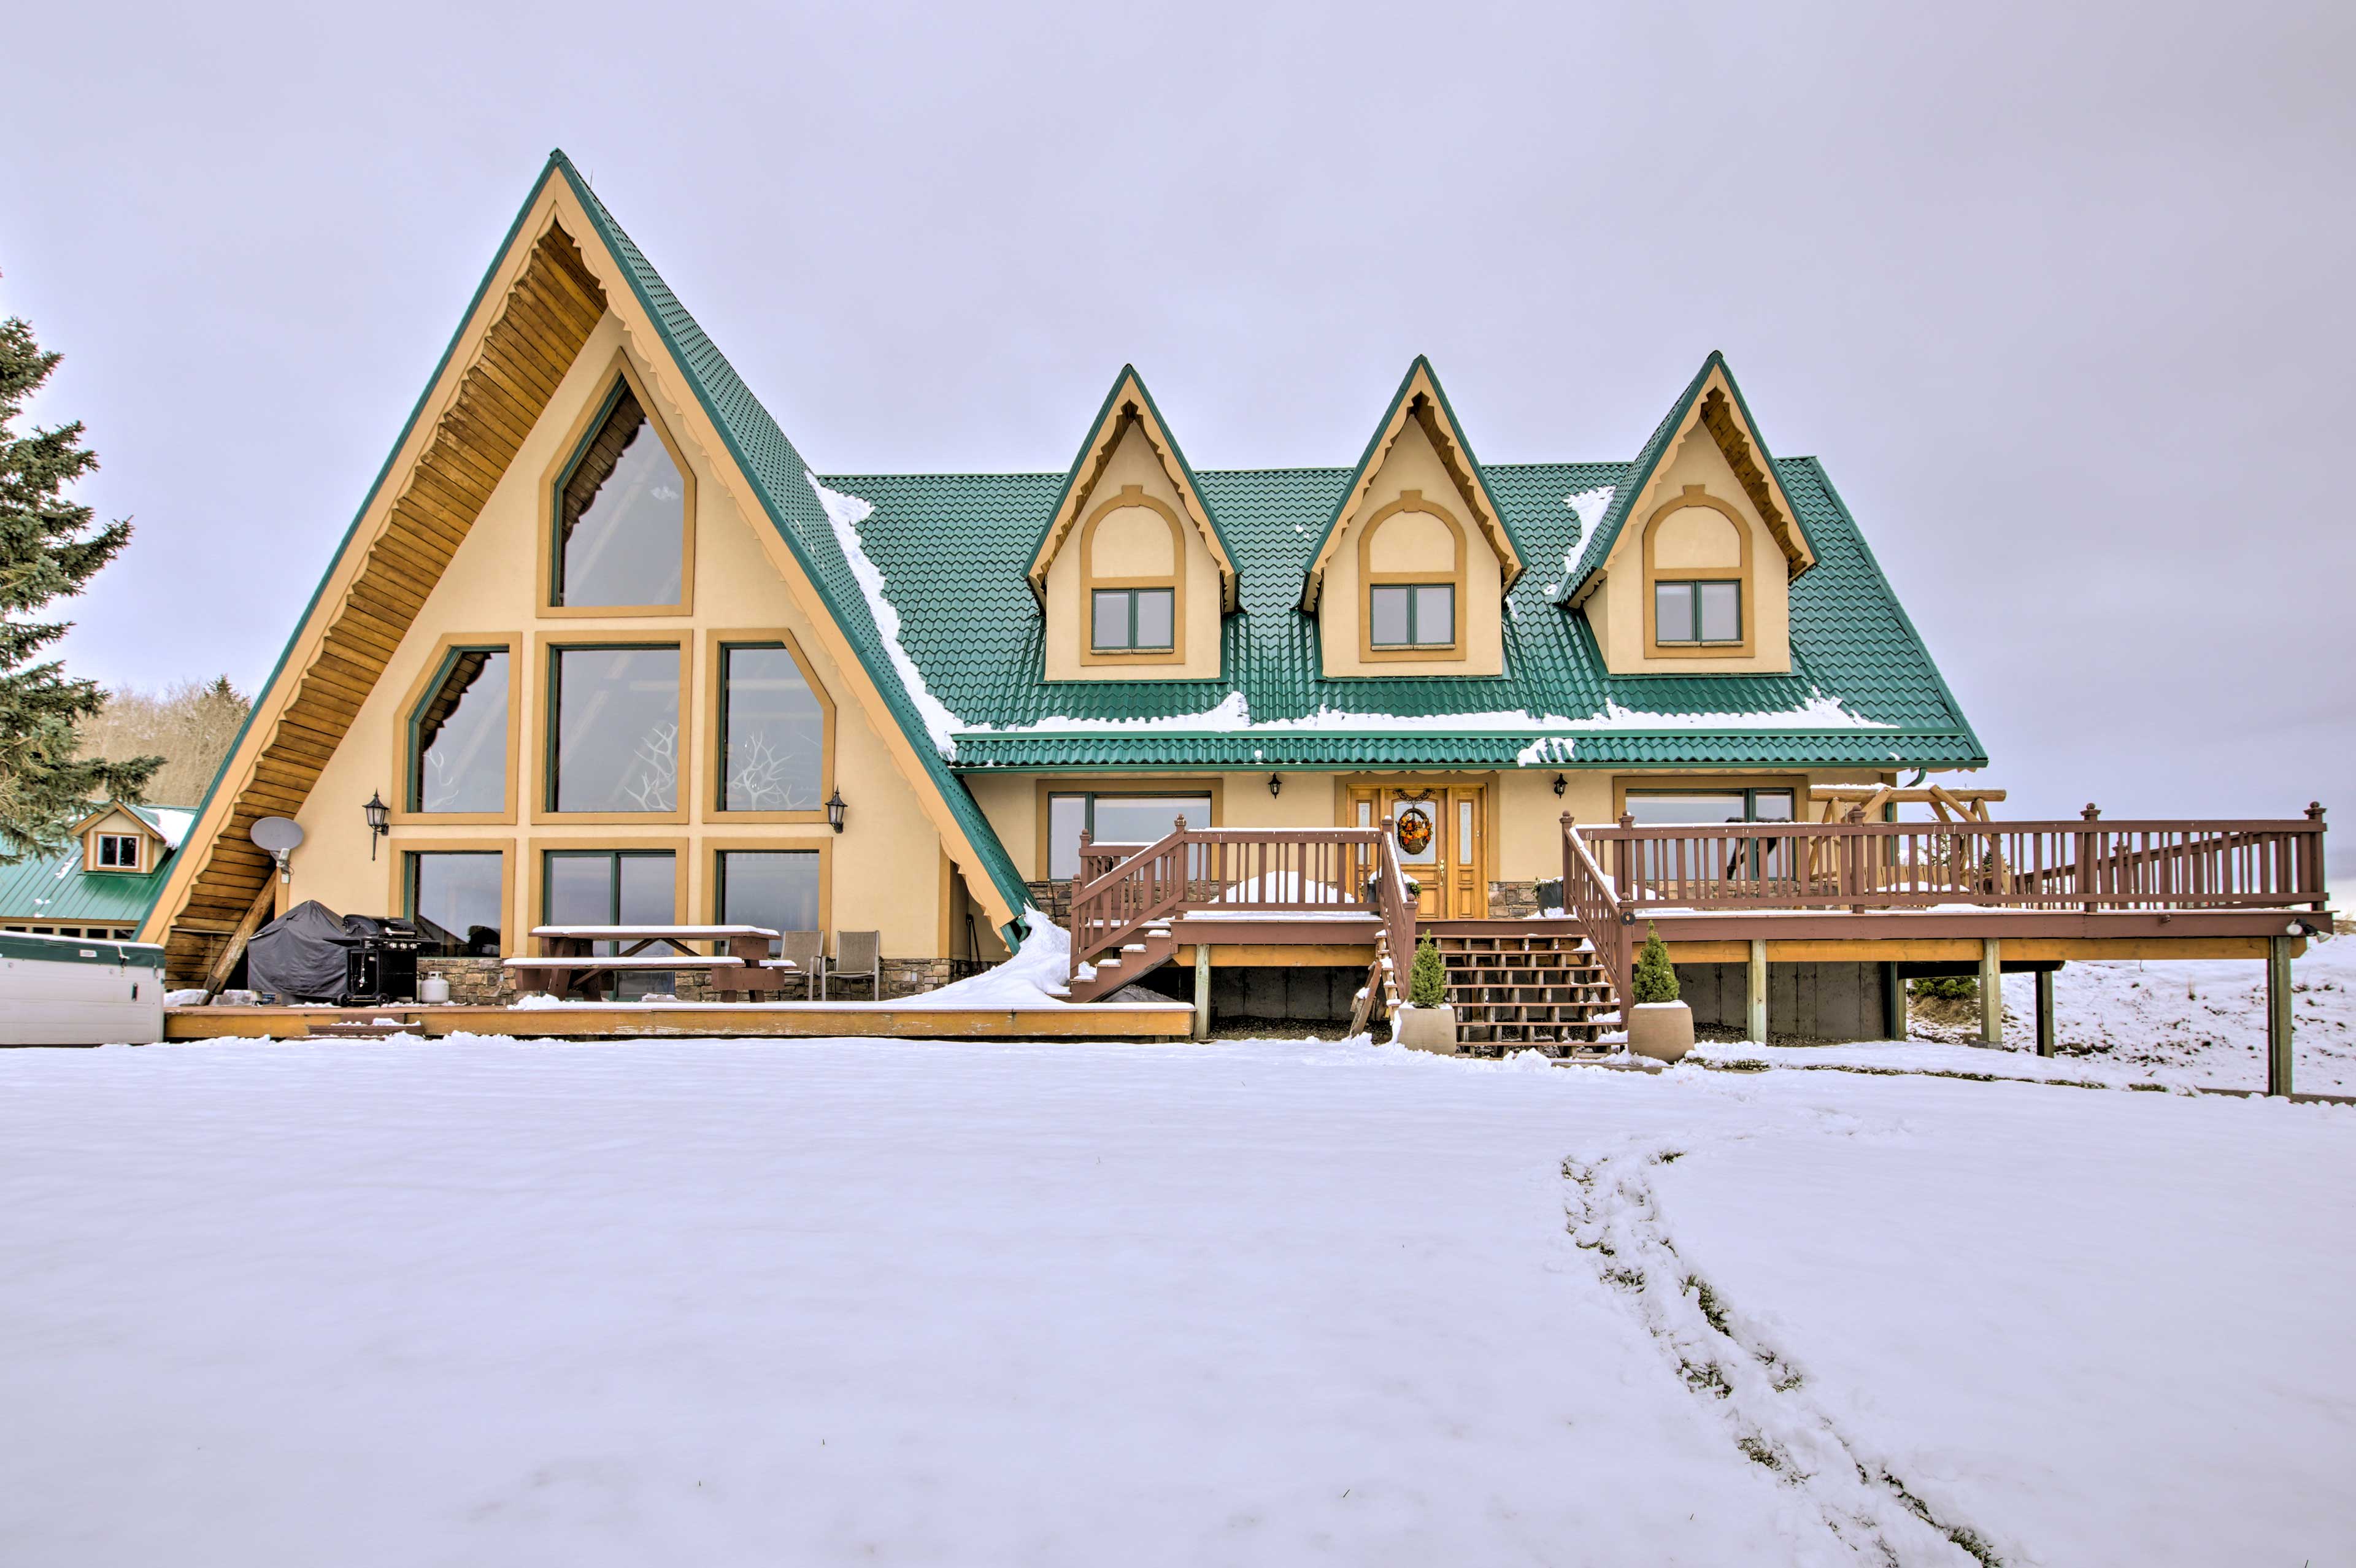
(380, 818)
(1274, 786)
(1561, 784)
(835, 807)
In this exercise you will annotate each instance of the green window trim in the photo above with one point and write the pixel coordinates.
(1412, 597)
(1132, 598)
(413, 765)
(1697, 604)
(560, 540)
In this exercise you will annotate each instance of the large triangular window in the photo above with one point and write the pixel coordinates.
(621, 536)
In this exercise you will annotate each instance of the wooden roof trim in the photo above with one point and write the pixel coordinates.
(1421, 400)
(535, 309)
(1720, 413)
(1127, 406)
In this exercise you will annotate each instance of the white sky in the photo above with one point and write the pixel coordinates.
(2060, 301)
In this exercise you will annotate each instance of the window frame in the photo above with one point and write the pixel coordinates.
(1744, 647)
(542, 848)
(714, 708)
(1132, 596)
(1694, 586)
(99, 842)
(1454, 651)
(1140, 789)
(1751, 787)
(1090, 584)
(620, 372)
(547, 647)
(420, 692)
(405, 885)
(715, 889)
(1413, 591)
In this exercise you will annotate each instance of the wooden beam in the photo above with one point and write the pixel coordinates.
(2278, 1019)
(785, 1020)
(254, 915)
(1991, 990)
(2045, 1012)
(1202, 990)
(1754, 1013)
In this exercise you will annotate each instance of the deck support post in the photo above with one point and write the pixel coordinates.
(1755, 1014)
(2045, 1012)
(1991, 990)
(1893, 1003)
(2278, 1024)
(1202, 990)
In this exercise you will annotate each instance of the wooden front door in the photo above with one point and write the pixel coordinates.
(1442, 832)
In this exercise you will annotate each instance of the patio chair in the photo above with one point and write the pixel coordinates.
(859, 956)
(807, 951)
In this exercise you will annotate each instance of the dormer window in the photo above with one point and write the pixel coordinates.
(1133, 620)
(1413, 615)
(118, 851)
(1697, 612)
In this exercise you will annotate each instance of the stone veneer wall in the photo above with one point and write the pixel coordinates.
(484, 982)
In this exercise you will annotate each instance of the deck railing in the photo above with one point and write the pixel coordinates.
(1332, 871)
(2087, 865)
(1587, 898)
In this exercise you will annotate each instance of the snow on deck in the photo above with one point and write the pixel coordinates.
(1264, 1302)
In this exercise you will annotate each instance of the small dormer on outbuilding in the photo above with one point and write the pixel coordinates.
(121, 838)
(1130, 572)
(1688, 569)
(1411, 575)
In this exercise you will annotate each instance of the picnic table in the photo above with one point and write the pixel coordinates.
(569, 957)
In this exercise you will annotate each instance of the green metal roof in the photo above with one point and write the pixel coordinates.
(779, 477)
(953, 547)
(53, 890)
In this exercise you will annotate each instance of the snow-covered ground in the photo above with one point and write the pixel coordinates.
(716, 1303)
(2182, 1025)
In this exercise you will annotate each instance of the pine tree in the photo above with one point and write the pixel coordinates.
(48, 550)
(1427, 982)
(1657, 979)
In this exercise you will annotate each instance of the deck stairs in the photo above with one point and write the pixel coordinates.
(1145, 949)
(1525, 990)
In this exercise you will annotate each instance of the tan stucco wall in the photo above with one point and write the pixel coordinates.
(1616, 609)
(1525, 816)
(1412, 465)
(885, 867)
(1132, 463)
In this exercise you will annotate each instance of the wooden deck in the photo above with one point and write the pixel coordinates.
(906, 1019)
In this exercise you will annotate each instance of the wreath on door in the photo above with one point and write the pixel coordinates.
(1414, 829)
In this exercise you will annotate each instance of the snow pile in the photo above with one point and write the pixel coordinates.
(1588, 507)
(1038, 975)
(846, 513)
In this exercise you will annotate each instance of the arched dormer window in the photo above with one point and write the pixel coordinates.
(621, 535)
(1698, 578)
(1133, 581)
(1411, 575)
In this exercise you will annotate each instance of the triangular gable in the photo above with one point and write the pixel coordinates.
(1420, 397)
(1129, 404)
(1712, 400)
(537, 304)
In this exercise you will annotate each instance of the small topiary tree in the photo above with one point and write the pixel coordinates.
(1427, 983)
(1657, 978)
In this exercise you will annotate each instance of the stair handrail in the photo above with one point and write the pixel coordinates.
(1589, 899)
(1398, 909)
(1098, 925)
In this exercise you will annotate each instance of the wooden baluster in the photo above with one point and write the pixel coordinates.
(2087, 879)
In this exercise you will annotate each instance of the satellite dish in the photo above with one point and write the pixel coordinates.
(282, 836)
(279, 835)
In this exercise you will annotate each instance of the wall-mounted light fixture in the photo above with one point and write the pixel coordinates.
(1561, 784)
(379, 819)
(1274, 786)
(835, 807)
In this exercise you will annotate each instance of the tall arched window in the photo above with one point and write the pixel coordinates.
(621, 526)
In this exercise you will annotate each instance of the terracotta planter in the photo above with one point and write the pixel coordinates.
(1426, 1028)
(1661, 1031)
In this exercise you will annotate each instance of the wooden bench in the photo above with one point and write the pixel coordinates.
(568, 956)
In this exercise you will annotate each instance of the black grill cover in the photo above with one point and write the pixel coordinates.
(301, 955)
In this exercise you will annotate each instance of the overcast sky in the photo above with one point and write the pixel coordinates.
(2060, 295)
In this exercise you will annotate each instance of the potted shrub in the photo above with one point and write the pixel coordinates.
(1373, 889)
(1426, 1021)
(1659, 1026)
